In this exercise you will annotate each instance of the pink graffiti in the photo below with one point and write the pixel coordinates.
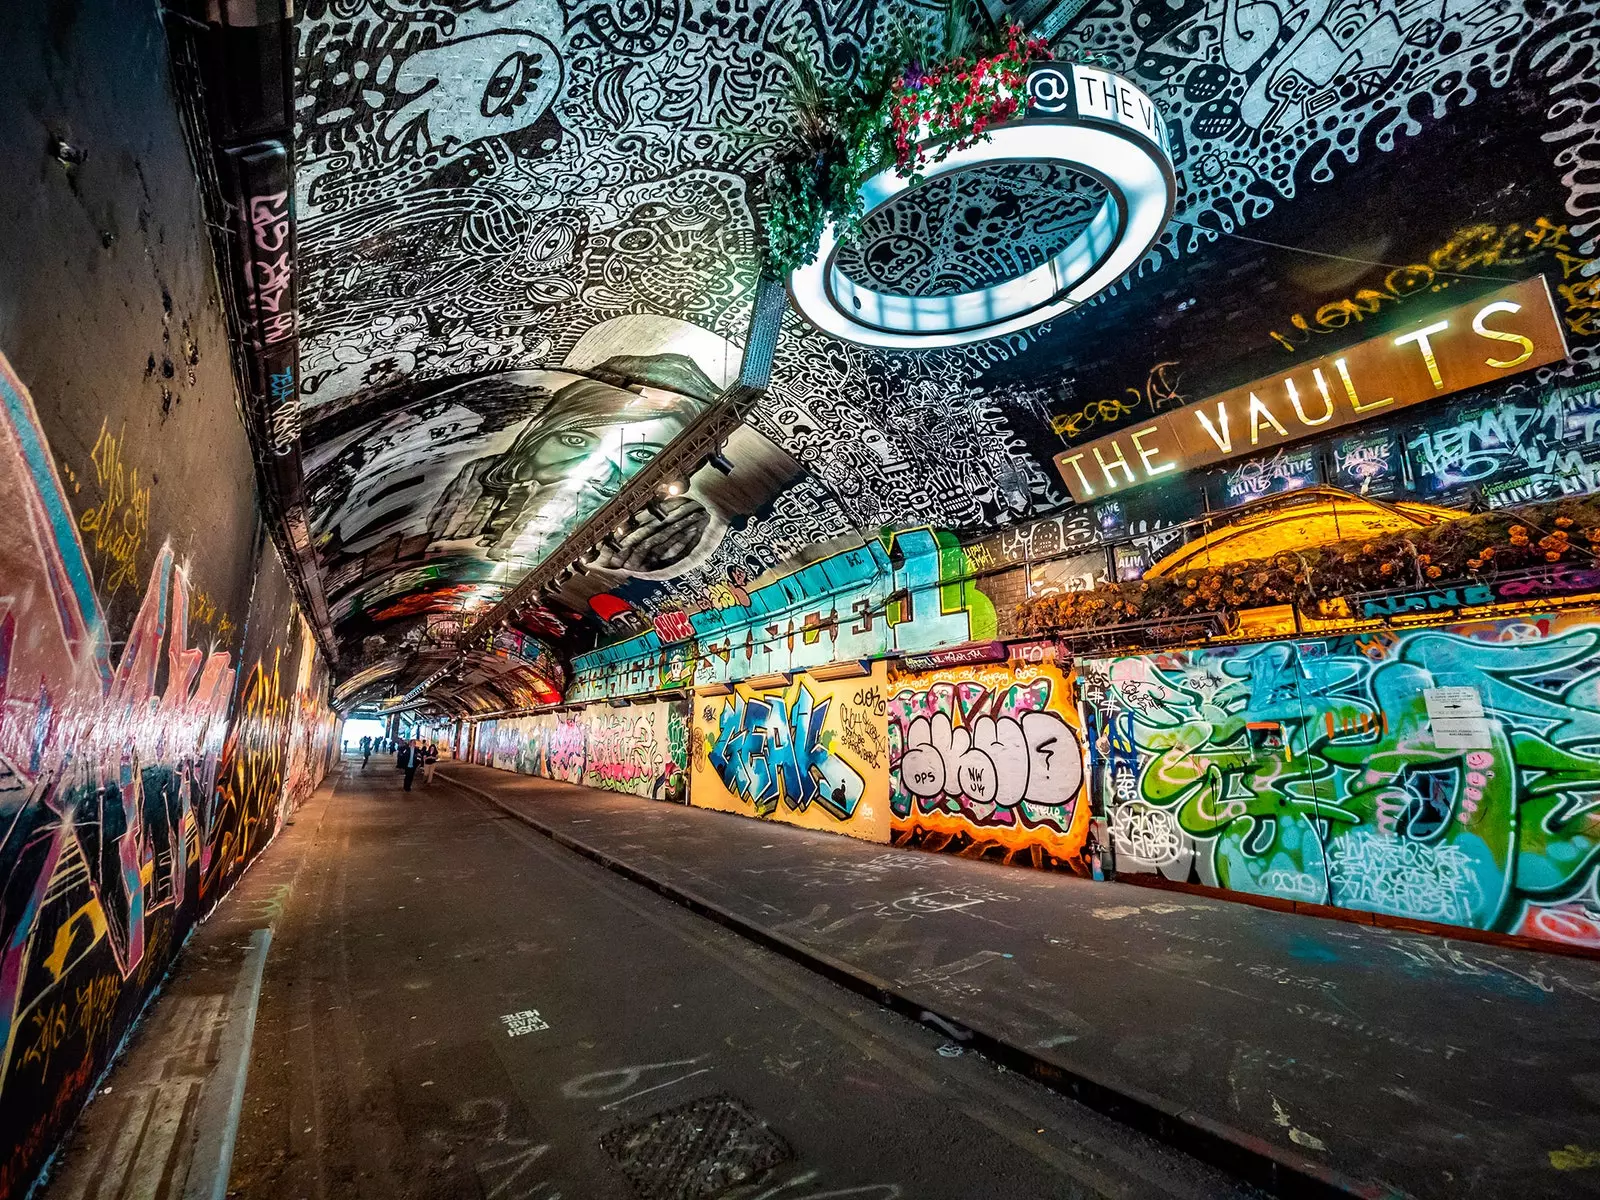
(270, 267)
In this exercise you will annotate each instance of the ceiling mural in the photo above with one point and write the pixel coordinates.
(530, 230)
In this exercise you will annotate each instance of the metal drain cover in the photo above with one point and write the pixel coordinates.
(696, 1150)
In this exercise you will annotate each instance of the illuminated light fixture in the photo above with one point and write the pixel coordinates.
(773, 679)
(847, 668)
(674, 488)
(1082, 117)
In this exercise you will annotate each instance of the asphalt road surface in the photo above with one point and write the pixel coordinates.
(454, 1006)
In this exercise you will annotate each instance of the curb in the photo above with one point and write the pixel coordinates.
(1250, 1158)
(222, 1101)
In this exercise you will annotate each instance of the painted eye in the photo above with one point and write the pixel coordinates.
(576, 441)
(641, 454)
(508, 87)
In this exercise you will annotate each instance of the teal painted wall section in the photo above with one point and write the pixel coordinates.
(835, 608)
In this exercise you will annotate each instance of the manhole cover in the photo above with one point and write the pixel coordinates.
(695, 1150)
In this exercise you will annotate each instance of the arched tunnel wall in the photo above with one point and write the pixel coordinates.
(1431, 773)
(164, 705)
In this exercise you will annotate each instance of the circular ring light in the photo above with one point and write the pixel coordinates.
(1084, 117)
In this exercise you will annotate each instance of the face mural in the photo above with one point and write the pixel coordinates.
(1443, 775)
(988, 760)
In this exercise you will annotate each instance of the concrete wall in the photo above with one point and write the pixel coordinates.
(641, 748)
(987, 761)
(811, 753)
(908, 591)
(161, 705)
(1448, 774)
(1444, 774)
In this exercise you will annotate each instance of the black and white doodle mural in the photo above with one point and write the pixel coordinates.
(530, 233)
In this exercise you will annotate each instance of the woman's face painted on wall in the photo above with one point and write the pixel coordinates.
(597, 460)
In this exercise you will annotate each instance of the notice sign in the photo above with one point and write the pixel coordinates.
(1499, 335)
(1456, 714)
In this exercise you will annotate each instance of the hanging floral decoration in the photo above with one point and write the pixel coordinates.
(924, 99)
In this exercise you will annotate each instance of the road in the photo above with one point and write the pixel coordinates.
(454, 1006)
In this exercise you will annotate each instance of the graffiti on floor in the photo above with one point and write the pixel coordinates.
(988, 761)
(1448, 775)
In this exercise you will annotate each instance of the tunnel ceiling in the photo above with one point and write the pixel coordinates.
(528, 241)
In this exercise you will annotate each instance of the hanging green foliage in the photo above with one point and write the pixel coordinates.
(935, 89)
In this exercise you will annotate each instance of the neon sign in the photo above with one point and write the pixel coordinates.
(1504, 333)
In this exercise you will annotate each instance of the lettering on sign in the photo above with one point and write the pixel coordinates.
(1549, 581)
(271, 267)
(1509, 331)
(673, 626)
(1077, 92)
(956, 656)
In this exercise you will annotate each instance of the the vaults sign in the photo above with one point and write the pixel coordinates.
(1512, 330)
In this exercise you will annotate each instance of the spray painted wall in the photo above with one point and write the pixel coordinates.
(140, 776)
(161, 708)
(907, 591)
(1446, 775)
(988, 761)
(641, 749)
(809, 753)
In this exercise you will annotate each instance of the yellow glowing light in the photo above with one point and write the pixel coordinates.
(1298, 521)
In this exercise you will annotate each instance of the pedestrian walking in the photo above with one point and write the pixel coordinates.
(366, 750)
(430, 760)
(410, 760)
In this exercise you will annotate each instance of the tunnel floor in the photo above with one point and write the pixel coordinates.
(1414, 1063)
(455, 1006)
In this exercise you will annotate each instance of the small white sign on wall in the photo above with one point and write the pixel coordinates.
(1456, 714)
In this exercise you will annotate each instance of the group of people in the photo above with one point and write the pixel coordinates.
(410, 756)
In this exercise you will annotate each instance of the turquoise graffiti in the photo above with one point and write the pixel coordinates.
(1448, 775)
(770, 751)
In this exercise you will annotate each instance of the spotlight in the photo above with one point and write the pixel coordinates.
(716, 460)
(578, 568)
(655, 510)
(674, 488)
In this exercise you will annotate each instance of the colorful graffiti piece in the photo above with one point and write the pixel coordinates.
(810, 753)
(119, 775)
(908, 591)
(988, 761)
(641, 749)
(1447, 775)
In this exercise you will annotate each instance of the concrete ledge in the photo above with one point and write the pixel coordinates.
(1234, 1150)
(216, 1125)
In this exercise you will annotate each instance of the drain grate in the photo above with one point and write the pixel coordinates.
(696, 1150)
